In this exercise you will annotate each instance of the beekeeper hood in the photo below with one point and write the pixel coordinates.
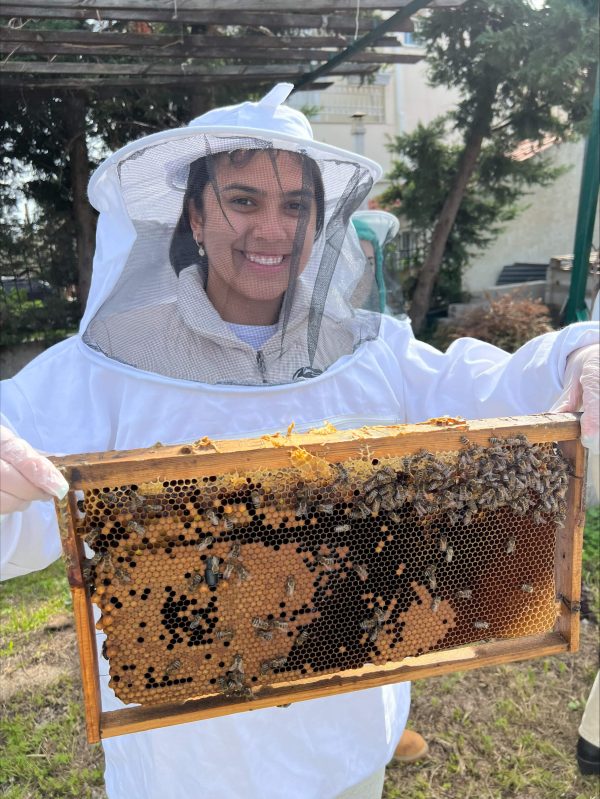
(223, 249)
(378, 228)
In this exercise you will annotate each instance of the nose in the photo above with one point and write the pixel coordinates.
(271, 225)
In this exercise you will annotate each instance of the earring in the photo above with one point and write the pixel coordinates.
(201, 250)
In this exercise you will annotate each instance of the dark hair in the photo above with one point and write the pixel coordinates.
(184, 250)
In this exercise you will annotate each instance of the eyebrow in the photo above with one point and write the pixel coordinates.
(253, 190)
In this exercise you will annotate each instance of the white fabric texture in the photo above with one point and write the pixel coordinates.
(371, 788)
(589, 729)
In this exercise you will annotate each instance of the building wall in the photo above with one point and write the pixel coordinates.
(397, 100)
(546, 227)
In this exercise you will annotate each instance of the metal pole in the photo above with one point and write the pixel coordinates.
(362, 43)
(576, 310)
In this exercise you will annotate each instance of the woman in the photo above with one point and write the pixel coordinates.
(221, 306)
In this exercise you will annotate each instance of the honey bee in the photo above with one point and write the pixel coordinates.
(464, 440)
(342, 474)
(443, 543)
(195, 623)
(256, 498)
(527, 588)
(228, 570)
(382, 615)
(212, 564)
(136, 501)
(290, 585)
(174, 665)
(224, 635)
(154, 508)
(510, 545)
(194, 581)
(326, 562)
(122, 576)
(481, 625)
(134, 527)
(265, 667)
(108, 497)
(301, 509)
(395, 517)
(449, 553)
(375, 634)
(213, 518)
(368, 624)
(375, 508)
(260, 624)
(237, 665)
(302, 637)
(234, 552)
(279, 662)
(326, 508)
(361, 571)
(266, 635)
(464, 593)
(277, 624)
(242, 572)
(342, 528)
(361, 511)
(435, 604)
(429, 574)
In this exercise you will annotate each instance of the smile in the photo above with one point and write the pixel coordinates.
(264, 260)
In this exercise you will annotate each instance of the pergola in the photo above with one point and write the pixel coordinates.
(79, 49)
(114, 44)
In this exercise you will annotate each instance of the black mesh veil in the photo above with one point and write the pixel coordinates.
(244, 264)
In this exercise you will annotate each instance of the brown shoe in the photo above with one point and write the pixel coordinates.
(412, 747)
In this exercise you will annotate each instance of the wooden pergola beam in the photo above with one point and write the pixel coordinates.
(267, 72)
(245, 54)
(111, 84)
(340, 23)
(315, 6)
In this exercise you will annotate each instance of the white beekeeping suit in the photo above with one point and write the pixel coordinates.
(220, 306)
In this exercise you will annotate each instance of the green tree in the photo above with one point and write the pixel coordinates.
(522, 72)
(425, 163)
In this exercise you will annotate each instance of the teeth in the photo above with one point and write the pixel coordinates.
(264, 260)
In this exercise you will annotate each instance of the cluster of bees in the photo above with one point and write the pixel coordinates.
(371, 537)
(528, 478)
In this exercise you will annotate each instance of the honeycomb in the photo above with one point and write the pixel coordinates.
(222, 584)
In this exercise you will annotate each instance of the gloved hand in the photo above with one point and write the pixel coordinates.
(25, 475)
(582, 392)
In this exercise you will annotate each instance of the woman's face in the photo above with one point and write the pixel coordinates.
(254, 215)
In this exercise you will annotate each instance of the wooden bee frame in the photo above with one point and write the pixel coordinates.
(310, 454)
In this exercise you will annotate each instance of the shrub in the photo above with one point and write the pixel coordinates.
(508, 322)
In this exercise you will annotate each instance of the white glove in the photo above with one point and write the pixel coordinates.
(25, 475)
(582, 392)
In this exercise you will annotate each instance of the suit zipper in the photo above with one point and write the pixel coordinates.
(262, 367)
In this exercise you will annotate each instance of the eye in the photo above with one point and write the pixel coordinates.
(297, 206)
(243, 202)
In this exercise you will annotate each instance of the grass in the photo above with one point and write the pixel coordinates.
(494, 733)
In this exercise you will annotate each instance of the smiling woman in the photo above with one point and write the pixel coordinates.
(241, 250)
(253, 217)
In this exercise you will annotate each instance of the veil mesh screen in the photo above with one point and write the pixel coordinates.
(238, 231)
